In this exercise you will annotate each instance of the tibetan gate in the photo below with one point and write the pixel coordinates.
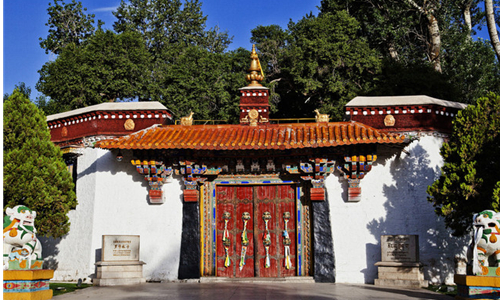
(256, 185)
(256, 231)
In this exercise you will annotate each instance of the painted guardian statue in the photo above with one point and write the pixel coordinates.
(21, 249)
(486, 242)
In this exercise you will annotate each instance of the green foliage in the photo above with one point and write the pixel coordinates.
(272, 43)
(329, 62)
(471, 64)
(419, 78)
(35, 174)
(318, 63)
(107, 67)
(399, 30)
(68, 24)
(188, 71)
(21, 87)
(470, 180)
(169, 25)
(390, 27)
(205, 83)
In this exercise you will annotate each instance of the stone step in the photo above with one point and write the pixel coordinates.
(402, 283)
(398, 275)
(119, 274)
(117, 281)
(294, 279)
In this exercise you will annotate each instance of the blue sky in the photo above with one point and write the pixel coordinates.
(24, 24)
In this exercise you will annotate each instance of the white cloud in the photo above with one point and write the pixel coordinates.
(105, 9)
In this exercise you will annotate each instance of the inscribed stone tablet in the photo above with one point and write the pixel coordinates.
(399, 248)
(120, 247)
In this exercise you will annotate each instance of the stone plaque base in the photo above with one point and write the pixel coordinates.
(400, 274)
(477, 287)
(111, 273)
(27, 284)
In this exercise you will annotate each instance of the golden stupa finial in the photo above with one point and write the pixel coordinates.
(256, 75)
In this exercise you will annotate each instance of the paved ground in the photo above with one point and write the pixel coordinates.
(245, 291)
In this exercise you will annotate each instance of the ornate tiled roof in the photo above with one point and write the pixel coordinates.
(241, 137)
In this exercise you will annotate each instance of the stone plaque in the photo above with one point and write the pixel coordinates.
(120, 247)
(399, 248)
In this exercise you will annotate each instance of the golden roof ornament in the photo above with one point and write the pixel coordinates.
(321, 118)
(255, 68)
(187, 120)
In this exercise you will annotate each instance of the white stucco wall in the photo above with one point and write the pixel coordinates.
(70, 256)
(113, 199)
(394, 201)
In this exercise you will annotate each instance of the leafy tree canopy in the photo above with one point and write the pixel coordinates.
(471, 66)
(21, 87)
(470, 180)
(205, 83)
(171, 30)
(34, 173)
(68, 24)
(168, 25)
(412, 33)
(319, 62)
(331, 62)
(106, 67)
(418, 78)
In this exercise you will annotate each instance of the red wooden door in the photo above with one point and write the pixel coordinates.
(246, 245)
(275, 250)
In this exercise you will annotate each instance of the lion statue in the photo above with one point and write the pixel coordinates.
(21, 249)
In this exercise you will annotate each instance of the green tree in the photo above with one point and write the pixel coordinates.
(470, 180)
(329, 62)
(168, 24)
(35, 174)
(470, 65)
(390, 27)
(412, 33)
(492, 25)
(106, 67)
(68, 24)
(170, 28)
(416, 78)
(21, 87)
(205, 83)
(272, 45)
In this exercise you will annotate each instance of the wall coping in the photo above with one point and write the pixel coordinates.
(373, 101)
(109, 106)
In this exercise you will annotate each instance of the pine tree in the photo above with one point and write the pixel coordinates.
(35, 174)
(470, 179)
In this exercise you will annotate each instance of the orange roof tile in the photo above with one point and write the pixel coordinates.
(243, 137)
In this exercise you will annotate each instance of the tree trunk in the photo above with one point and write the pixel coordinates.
(435, 47)
(435, 36)
(467, 17)
(492, 29)
(393, 52)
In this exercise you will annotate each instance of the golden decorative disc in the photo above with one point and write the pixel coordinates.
(64, 131)
(389, 120)
(129, 124)
(253, 114)
(498, 271)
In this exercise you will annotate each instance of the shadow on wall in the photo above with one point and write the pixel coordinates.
(49, 252)
(408, 212)
(106, 163)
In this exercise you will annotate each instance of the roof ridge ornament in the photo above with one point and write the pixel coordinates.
(254, 77)
(321, 118)
(187, 120)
